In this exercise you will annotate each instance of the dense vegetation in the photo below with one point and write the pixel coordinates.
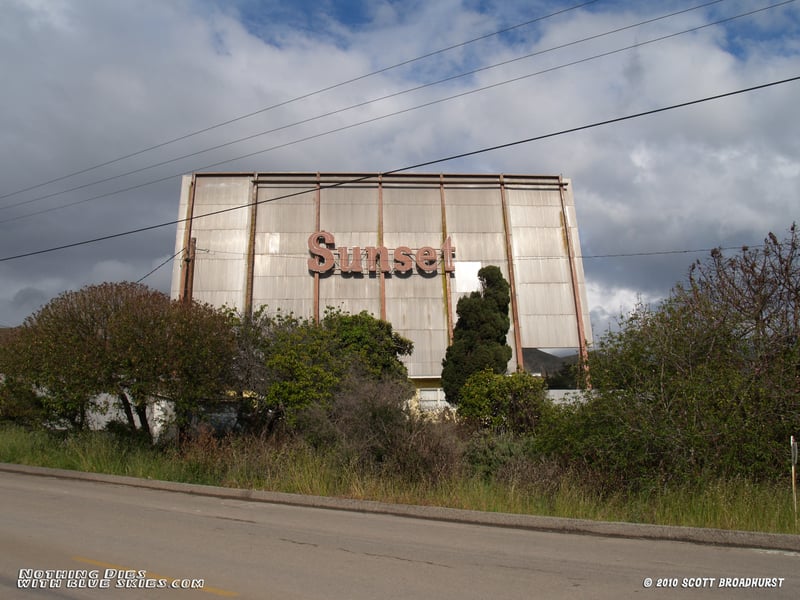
(706, 385)
(699, 394)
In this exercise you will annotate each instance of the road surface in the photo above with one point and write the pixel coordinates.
(99, 534)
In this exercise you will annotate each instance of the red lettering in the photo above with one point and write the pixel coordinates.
(426, 259)
(402, 259)
(448, 252)
(373, 254)
(346, 264)
(324, 257)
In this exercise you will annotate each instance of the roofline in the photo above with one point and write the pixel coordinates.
(369, 175)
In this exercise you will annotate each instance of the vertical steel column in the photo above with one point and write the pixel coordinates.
(188, 290)
(447, 291)
(187, 268)
(573, 271)
(381, 274)
(251, 249)
(511, 279)
(317, 202)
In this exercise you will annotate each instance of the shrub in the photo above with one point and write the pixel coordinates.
(504, 403)
(368, 426)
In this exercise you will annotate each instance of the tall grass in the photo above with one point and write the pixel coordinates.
(297, 468)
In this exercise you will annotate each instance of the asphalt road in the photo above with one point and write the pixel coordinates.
(119, 535)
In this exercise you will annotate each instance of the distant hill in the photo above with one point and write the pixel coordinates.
(549, 366)
(538, 361)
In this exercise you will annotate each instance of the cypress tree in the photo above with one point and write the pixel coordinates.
(479, 337)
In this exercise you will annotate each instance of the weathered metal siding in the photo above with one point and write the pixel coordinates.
(283, 224)
(487, 217)
(219, 268)
(544, 287)
(180, 242)
(415, 302)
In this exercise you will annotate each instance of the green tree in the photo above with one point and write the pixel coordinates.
(124, 340)
(303, 369)
(287, 365)
(26, 386)
(479, 336)
(198, 360)
(372, 340)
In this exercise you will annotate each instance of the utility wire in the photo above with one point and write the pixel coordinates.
(159, 266)
(412, 167)
(385, 97)
(304, 257)
(302, 97)
(373, 119)
(663, 252)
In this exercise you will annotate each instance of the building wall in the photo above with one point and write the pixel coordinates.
(252, 238)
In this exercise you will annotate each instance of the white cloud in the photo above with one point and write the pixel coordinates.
(610, 303)
(93, 81)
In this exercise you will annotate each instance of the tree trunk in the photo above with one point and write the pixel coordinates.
(141, 411)
(126, 407)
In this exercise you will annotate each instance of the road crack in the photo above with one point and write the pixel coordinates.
(393, 557)
(299, 543)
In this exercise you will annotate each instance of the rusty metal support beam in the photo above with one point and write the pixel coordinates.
(187, 277)
(317, 227)
(573, 271)
(511, 279)
(381, 275)
(447, 288)
(251, 249)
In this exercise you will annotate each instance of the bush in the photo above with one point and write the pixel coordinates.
(504, 403)
(369, 427)
(489, 453)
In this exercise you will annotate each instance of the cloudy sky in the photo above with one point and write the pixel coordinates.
(93, 91)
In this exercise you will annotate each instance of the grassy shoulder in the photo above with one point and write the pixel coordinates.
(251, 463)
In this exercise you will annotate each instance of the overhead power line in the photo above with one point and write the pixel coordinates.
(415, 166)
(302, 97)
(141, 279)
(371, 120)
(665, 252)
(304, 256)
(378, 99)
